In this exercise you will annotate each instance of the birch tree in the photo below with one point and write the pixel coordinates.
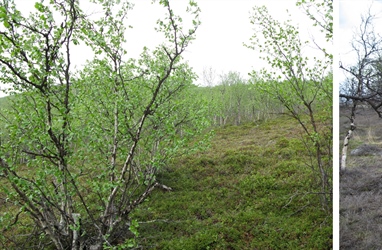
(363, 84)
(304, 88)
(95, 139)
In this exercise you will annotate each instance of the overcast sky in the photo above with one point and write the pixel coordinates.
(219, 40)
(350, 12)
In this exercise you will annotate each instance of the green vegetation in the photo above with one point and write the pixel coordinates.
(81, 149)
(245, 192)
(235, 100)
(116, 155)
(252, 189)
(302, 84)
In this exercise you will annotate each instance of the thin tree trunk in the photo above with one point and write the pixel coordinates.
(347, 137)
(76, 231)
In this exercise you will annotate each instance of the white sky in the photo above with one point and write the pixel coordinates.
(350, 12)
(219, 40)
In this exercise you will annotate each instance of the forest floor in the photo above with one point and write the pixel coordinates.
(361, 183)
(250, 190)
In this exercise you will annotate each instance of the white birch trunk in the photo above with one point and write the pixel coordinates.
(347, 138)
(345, 146)
(76, 231)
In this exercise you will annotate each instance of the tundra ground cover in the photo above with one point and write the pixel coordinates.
(250, 190)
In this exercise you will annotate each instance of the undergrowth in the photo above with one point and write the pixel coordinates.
(250, 190)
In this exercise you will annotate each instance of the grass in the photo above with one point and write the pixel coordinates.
(248, 191)
(360, 185)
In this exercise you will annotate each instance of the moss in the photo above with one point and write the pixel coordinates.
(240, 194)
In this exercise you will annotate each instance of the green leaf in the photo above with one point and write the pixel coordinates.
(39, 6)
(6, 24)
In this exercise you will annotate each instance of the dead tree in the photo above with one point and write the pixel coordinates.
(364, 81)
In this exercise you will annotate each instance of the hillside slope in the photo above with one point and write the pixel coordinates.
(248, 191)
